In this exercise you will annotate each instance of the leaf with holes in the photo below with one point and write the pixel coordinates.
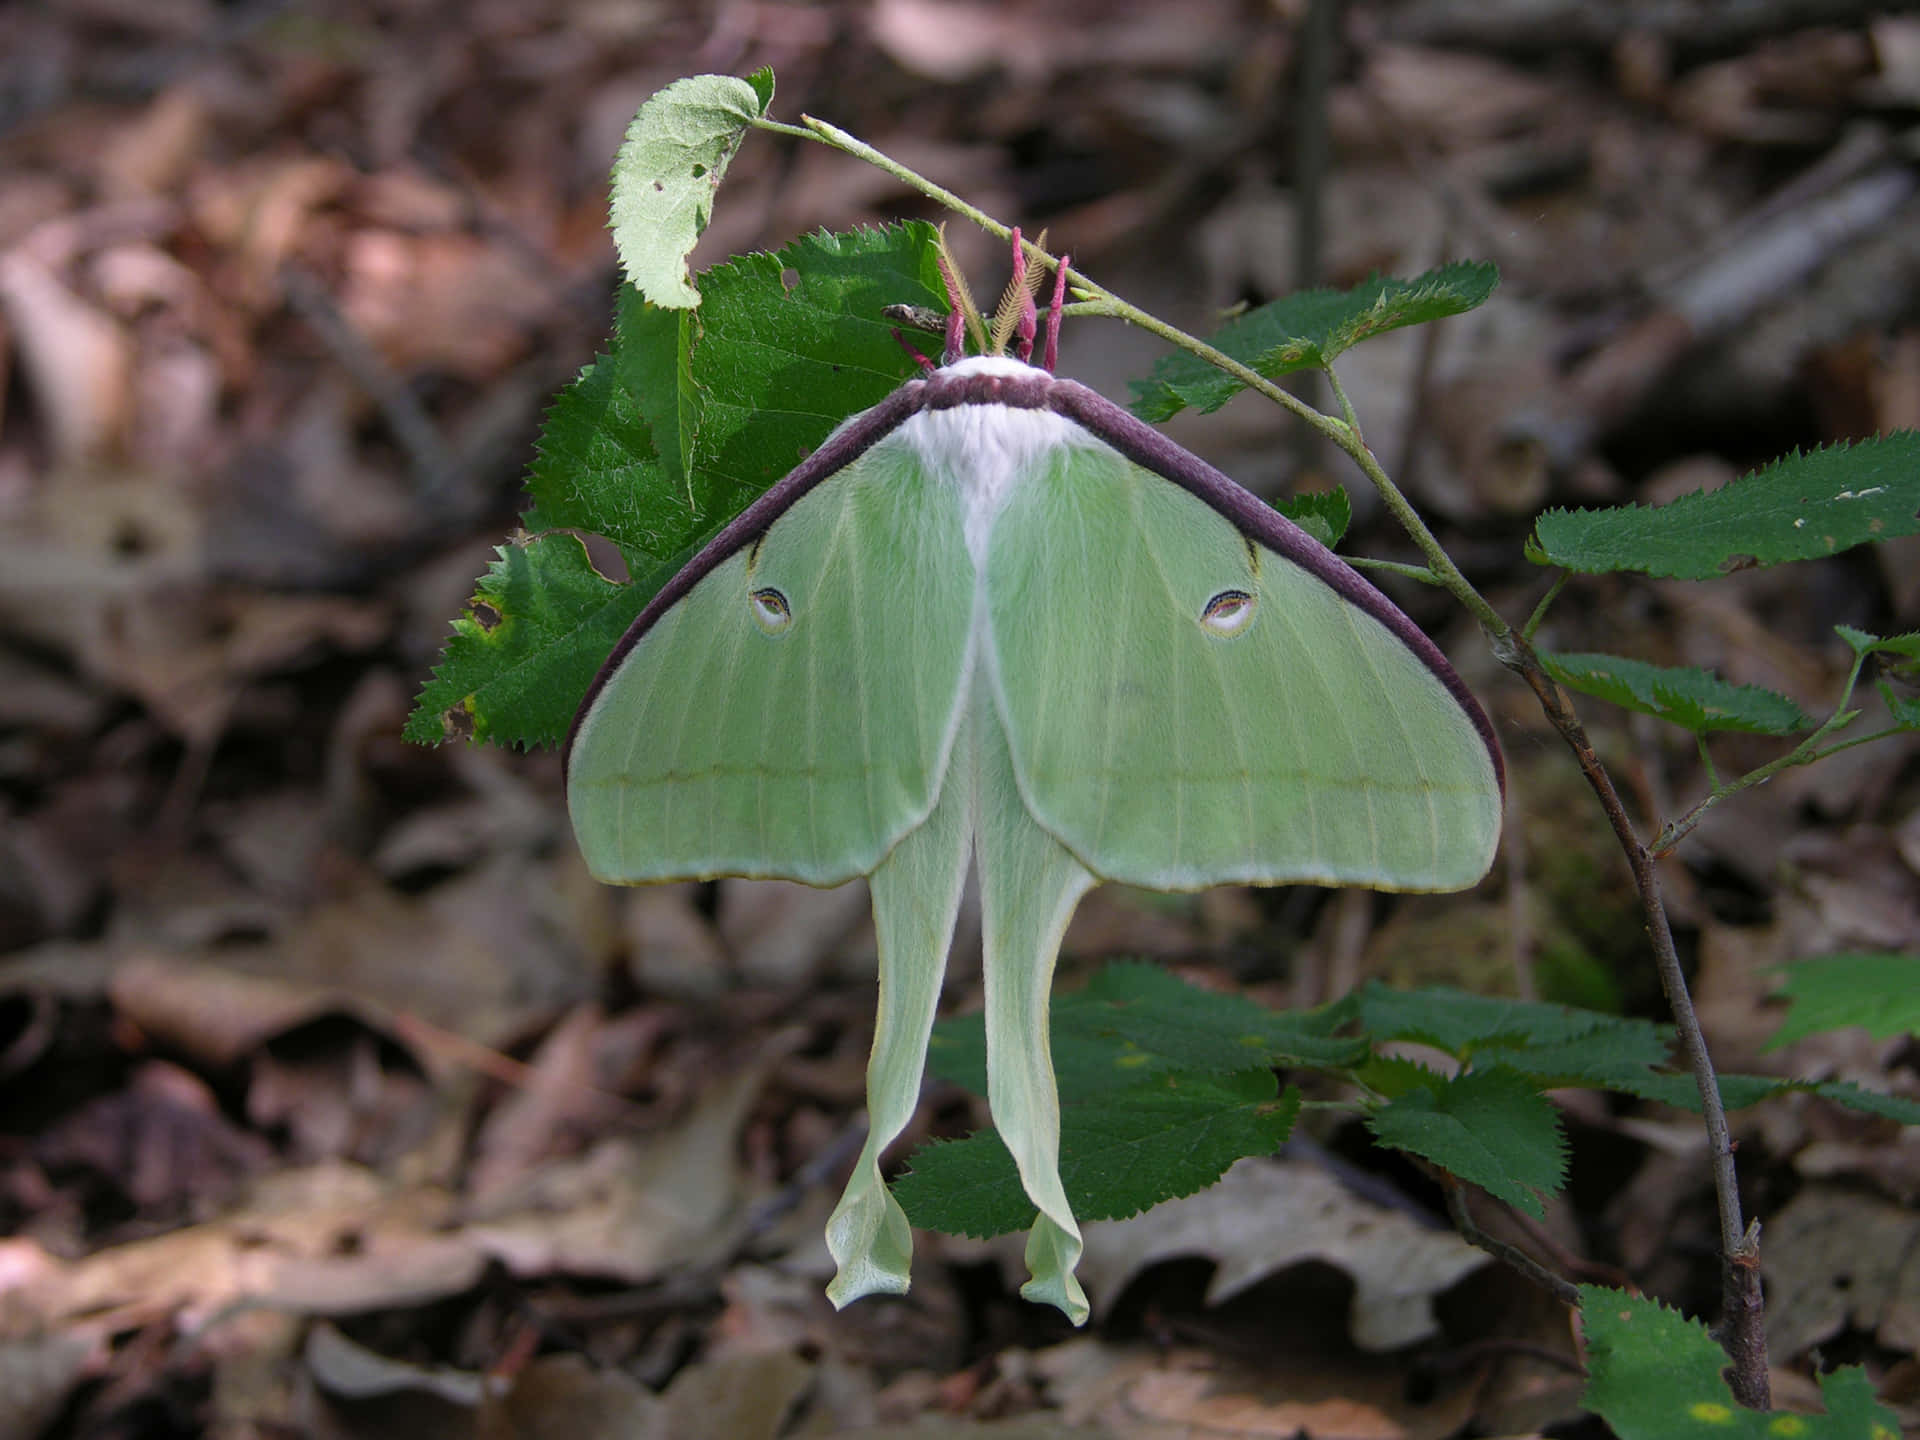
(518, 660)
(658, 444)
(676, 153)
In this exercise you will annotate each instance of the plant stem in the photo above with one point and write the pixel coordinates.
(1805, 753)
(1743, 1328)
(1546, 601)
(1743, 1331)
(1096, 298)
(1563, 1290)
(1393, 567)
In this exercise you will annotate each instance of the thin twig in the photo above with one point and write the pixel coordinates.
(427, 454)
(1562, 1290)
(1312, 156)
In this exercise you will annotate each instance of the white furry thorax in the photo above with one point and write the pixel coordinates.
(983, 451)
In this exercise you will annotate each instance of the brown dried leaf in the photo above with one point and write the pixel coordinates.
(1835, 1258)
(1266, 1215)
(78, 361)
(330, 1240)
(633, 1209)
(162, 1140)
(557, 1106)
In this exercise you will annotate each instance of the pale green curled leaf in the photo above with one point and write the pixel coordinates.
(658, 444)
(1307, 331)
(1323, 514)
(1490, 1127)
(1172, 1135)
(1689, 697)
(540, 622)
(1802, 507)
(1653, 1374)
(1878, 991)
(675, 154)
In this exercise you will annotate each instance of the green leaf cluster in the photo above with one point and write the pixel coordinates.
(658, 444)
(1307, 331)
(1802, 507)
(1164, 1085)
(1653, 1374)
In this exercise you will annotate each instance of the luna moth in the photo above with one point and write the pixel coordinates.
(996, 620)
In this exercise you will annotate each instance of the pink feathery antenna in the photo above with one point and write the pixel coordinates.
(1016, 318)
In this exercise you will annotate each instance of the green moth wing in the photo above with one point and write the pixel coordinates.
(786, 708)
(1197, 708)
(997, 619)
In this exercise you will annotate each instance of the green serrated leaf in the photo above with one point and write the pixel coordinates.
(1391, 1076)
(675, 154)
(597, 467)
(1613, 1056)
(1653, 1374)
(1798, 508)
(793, 343)
(1307, 331)
(1905, 709)
(1879, 991)
(1136, 1022)
(1862, 642)
(1457, 1021)
(658, 445)
(1868, 1102)
(541, 621)
(1323, 514)
(1119, 1155)
(1490, 1127)
(1737, 1092)
(1689, 697)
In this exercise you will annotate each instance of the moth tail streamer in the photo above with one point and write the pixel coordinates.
(916, 898)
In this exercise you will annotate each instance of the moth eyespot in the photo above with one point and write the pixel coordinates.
(770, 610)
(1227, 613)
